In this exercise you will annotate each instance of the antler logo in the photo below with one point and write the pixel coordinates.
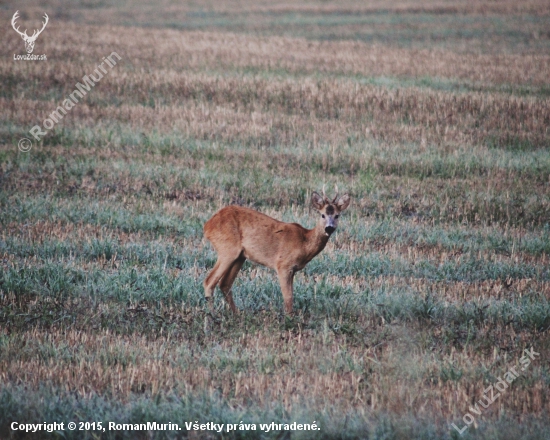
(29, 41)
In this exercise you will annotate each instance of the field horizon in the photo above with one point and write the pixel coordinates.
(433, 115)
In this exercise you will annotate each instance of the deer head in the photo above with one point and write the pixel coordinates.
(29, 41)
(329, 210)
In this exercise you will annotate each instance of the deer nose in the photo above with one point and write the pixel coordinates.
(329, 229)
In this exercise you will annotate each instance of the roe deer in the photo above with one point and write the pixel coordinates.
(239, 233)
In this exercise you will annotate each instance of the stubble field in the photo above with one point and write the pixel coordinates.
(434, 116)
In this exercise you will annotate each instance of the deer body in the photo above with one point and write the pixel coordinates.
(239, 233)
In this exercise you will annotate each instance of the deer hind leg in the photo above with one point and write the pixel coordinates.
(227, 281)
(223, 264)
(209, 286)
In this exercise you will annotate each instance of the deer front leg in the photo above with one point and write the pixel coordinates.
(286, 279)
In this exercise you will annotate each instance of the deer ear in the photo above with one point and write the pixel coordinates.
(317, 201)
(343, 202)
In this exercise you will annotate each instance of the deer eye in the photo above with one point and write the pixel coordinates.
(323, 215)
(336, 216)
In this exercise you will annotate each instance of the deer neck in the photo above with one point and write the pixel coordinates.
(316, 240)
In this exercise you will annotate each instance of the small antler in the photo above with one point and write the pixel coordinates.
(327, 200)
(336, 189)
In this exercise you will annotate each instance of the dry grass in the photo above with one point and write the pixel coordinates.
(260, 368)
(168, 49)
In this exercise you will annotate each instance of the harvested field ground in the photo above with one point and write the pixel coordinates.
(433, 115)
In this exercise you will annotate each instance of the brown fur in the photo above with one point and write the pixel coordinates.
(239, 233)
